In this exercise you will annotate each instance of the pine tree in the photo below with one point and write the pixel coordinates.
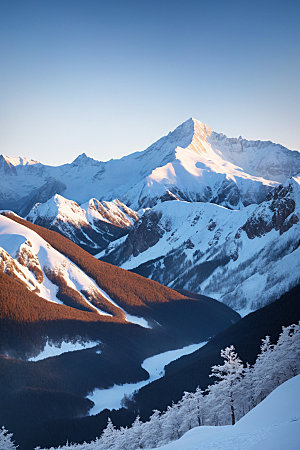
(135, 434)
(186, 412)
(199, 406)
(152, 431)
(171, 423)
(229, 374)
(108, 436)
(6, 442)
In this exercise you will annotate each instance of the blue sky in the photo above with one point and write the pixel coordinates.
(110, 77)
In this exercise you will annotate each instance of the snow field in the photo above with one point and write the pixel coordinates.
(271, 425)
(111, 398)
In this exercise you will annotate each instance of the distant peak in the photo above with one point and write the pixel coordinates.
(83, 159)
(193, 125)
(17, 160)
(57, 198)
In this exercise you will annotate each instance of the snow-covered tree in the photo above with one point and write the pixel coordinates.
(152, 431)
(6, 442)
(230, 374)
(199, 406)
(108, 437)
(135, 434)
(171, 423)
(186, 410)
(262, 371)
(286, 353)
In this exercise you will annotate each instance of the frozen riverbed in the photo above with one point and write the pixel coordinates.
(111, 398)
(52, 349)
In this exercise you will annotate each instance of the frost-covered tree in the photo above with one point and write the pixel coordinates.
(262, 371)
(230, 374)
(152, 431)
(199, 406)
(186, 411)
(6, 442)
(135, 434)
(108, 437)
(171, 423)
(286, 353)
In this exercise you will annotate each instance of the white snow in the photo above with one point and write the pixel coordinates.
(19, 161)
(15, 237)
(248, 273)
(65, 213)
(111, 398)
(190, 159)
(272, 425)
(48, 258)
(58, 208)
(53, 349)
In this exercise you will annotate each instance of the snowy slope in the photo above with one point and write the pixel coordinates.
(93, 225)
(191, 162)
(27, 257)
(241, 257)
(272, 425)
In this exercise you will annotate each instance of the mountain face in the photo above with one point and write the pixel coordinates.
(191, 163)
(92, 226)
(52, 291)
(241, 257)
(59, 272)
(216, 216)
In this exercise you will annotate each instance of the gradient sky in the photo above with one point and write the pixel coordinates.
(111, 77)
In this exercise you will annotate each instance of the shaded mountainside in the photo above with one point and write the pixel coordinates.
(125, 317)
(193, 370)
(241, 257)
(191, 162)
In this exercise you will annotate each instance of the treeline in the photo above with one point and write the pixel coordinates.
(19, 304)
(129, 290)
(238, 388)
(184, 317)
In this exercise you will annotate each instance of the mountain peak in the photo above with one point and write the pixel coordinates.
(17, 160)
(83, 159)
(192, 127)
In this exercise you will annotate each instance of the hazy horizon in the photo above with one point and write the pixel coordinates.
(121, 155)
(109, 79)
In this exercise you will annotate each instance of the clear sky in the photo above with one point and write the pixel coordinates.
(111, 77)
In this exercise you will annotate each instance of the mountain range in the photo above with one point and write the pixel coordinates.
(196, 211)
(106, 264)
(191, 163)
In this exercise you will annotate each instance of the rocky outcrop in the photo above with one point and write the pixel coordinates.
(274, 213)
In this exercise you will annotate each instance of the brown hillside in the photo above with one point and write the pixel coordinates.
(126, 288)
(19, 304)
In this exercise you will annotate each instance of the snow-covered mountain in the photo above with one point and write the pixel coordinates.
(192, 163)
(54, 294)
(244, 258)
(59, 272)
(28, 258)
(92, 226)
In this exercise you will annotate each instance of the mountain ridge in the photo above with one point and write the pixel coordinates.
(192, 162)
(241, 257)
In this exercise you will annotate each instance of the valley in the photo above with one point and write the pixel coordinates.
(122, 281)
